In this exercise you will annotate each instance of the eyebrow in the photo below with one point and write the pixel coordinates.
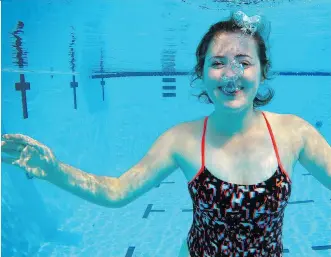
(238, 55)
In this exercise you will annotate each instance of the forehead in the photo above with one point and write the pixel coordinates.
(232, 43)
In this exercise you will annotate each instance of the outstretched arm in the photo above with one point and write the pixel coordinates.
(152, 169)
(39, 161)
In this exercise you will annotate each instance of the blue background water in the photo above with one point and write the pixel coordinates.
(140, 42)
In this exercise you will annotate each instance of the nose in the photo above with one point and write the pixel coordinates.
(232, 71)
(229, 71)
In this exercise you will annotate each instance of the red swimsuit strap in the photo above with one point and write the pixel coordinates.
(275, 146)
(203, 141)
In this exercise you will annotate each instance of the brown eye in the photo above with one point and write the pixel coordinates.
(217, 63)
(245, 64)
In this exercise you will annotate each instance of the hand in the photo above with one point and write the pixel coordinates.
(30, 155)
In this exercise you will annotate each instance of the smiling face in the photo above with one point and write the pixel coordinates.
(225, 52)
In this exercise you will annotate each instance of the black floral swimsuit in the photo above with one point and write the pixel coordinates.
(237, 220)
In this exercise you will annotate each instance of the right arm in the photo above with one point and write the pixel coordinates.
(113, 192)
(152, 169)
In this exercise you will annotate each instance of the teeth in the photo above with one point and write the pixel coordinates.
(229, 92)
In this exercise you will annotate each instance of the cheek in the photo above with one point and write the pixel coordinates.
(252, 76)
(213, 74)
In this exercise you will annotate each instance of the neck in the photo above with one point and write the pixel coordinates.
(232, 123)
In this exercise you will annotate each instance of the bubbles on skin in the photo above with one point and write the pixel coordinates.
(238, 70)
(249, 25)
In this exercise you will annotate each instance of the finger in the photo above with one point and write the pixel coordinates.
(8, 160)
(19, 145)
(25, 156)
(12, 161)
(20, 160)
(10, 152)
(11, 146)
(25, 140)
(27, 152)
(20, 138)
(37, 172)
(28, 156)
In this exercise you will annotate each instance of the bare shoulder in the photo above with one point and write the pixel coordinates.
(188, 128)
(288, 121)
(299, 127)
(184, 134)
(289, 127)
(288, 131)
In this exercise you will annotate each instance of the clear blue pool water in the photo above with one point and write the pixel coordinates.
(100, 93)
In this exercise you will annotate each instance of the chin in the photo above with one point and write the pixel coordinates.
(234, 107)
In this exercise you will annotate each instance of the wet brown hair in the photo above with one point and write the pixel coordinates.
(201, 51)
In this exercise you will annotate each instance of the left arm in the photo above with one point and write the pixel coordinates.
(315, 154)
